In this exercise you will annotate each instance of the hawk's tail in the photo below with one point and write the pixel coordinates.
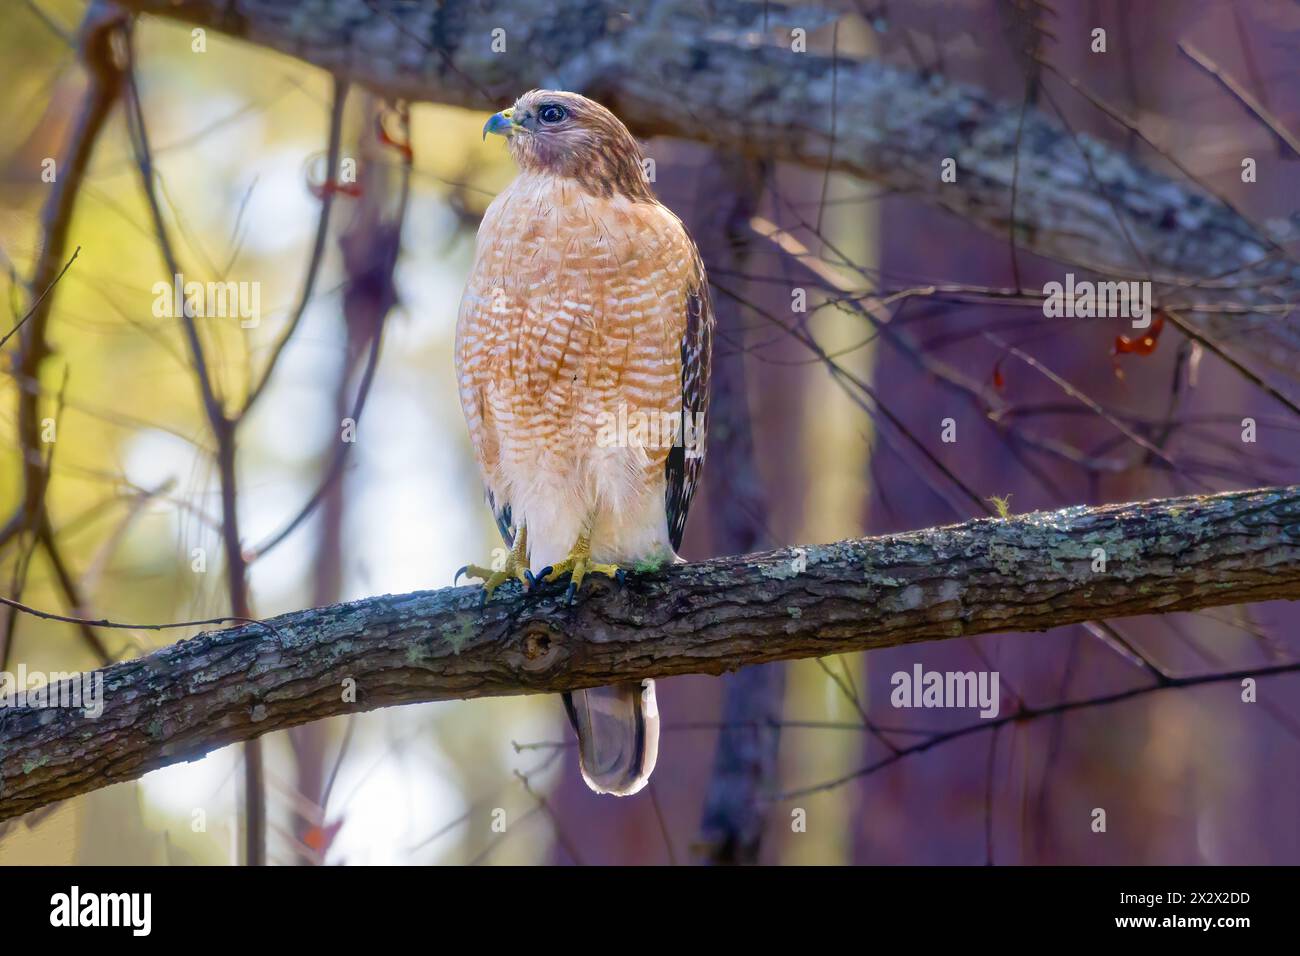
(618, 735)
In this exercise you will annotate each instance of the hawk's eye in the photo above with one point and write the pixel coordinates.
(551, 113)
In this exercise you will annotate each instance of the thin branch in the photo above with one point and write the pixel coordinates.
(328, 191)
(100, 26)
(1243, 95)
(105, 622)
(1025, 714)
(40, 298)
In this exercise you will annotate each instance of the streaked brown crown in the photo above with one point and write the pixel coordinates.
(589, 144)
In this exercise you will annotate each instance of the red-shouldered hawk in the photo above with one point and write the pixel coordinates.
(583, 349)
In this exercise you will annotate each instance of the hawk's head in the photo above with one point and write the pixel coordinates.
(569, 135)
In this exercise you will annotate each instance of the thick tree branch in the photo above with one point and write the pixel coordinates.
(1028, 573)
(725, 73)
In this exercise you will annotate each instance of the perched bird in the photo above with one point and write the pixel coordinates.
(583, 348)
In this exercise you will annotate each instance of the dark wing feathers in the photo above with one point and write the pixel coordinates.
(686, 459)
(505, 521)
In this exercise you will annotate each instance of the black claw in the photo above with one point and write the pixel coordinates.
(530, 578)
(621, 577)
(456, 579)
(545, 571)
(483, 598)
(571, 593)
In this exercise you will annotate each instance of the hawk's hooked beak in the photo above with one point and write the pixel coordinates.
(503, 124)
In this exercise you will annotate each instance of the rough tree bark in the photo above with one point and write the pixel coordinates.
(725, 73)
(1028, 573)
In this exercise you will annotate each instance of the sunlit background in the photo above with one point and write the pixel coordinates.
(239, 136)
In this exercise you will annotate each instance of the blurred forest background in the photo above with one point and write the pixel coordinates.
(242, 139)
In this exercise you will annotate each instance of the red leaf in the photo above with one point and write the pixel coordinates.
(319, 190)
(381, 131)
(1141, 345)
(320, 838)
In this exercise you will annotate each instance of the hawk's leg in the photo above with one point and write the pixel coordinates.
(516, 568)
(578, 565)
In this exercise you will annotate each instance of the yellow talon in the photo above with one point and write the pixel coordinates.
(578, 565)
(515, 568)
